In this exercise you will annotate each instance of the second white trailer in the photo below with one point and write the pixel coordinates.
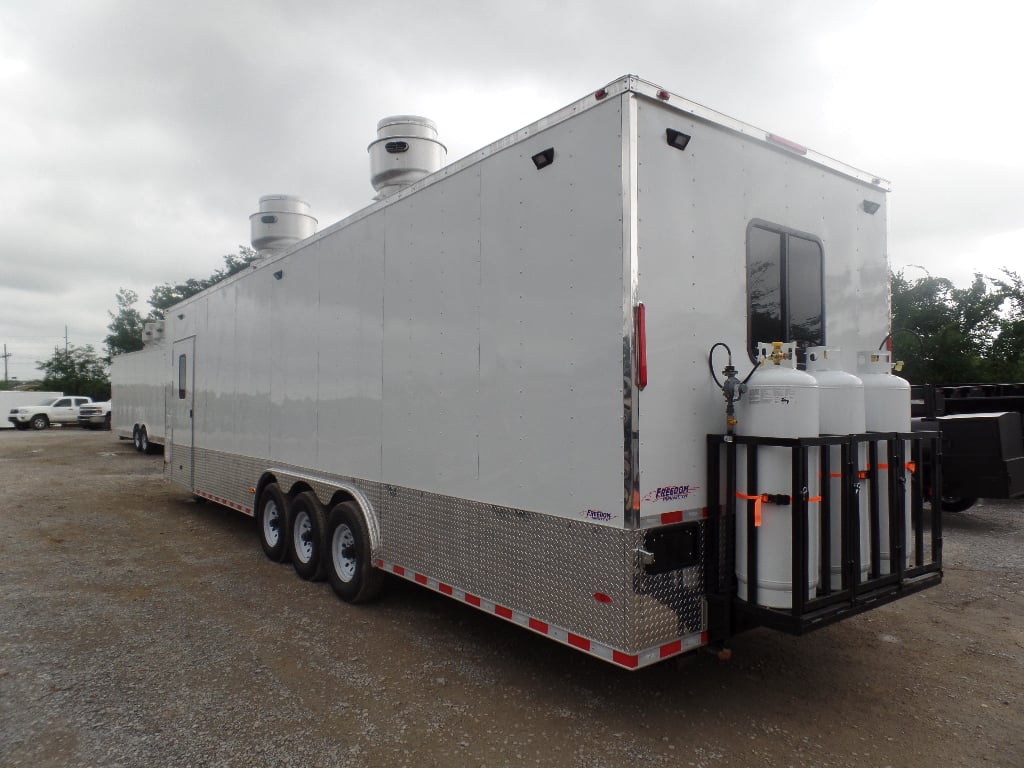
(495, 382)
(139, 384)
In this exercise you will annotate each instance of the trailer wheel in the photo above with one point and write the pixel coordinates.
(135, 438)
(272, 523)
(957, 503)
(306, 543)
(144, 446)
(349, 565)
(40, 421)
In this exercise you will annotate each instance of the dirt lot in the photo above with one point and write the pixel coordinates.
(138, 628)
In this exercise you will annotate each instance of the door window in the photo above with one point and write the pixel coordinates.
(182, 370)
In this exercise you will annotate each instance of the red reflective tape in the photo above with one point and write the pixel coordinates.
(445, 589)
(538, 626)
(501, 610)
(473, 600)
(579, 642)
(380, 563)
(703, 638)
(625, 659)
(670, 648)
(671, 517)
(420, 578)
(704, 512)
(398, 569)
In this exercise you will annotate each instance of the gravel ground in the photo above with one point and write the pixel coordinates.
(138, 628)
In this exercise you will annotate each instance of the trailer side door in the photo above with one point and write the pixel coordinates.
(182, 415)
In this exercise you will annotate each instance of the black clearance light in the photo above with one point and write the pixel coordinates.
(279, 274)
(870, 206)
(676, 139)
(545, 158)
(396, 147)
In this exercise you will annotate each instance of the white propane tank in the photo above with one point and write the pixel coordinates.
(887, 409)
(780, 401)
(841, 396)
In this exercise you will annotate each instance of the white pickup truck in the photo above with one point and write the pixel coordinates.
(63, 410)
(94, 416)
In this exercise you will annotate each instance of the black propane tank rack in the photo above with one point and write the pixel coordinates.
(729, 614)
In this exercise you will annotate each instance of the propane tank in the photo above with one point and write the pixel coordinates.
(780, 401)
(887, 409)
(841, 397)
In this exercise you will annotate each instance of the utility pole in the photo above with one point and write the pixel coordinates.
(65, 340)
(5, 355)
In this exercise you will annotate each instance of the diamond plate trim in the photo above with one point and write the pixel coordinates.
(538, 565)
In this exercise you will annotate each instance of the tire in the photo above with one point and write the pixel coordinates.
(135, 439)
(957, 503)
(349, 559)
(272, 523)
(106, 422)
(21, 426)
(144, 445)
(40, 421)
(307, 523)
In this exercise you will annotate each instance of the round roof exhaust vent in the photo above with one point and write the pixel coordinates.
(281, 222)
(405, 151)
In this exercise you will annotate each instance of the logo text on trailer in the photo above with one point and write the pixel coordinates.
(671, 493)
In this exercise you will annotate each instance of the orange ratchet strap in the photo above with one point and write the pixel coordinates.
(909, 466)
(764, 498)
(758, 500)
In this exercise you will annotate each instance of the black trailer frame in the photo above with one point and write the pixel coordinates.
(729, 615)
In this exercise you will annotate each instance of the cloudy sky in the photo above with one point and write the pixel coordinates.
(136, 136)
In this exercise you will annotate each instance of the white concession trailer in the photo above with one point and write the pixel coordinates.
(494, 380)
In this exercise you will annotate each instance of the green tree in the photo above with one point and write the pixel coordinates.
(76, 371)
(961, 335)
(125, 325)
(1008, 347)
(167, 295)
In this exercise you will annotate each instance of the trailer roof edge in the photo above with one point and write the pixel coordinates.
(617, 87)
